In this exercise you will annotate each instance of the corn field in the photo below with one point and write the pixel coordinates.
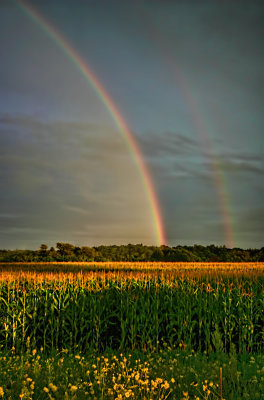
(120, 306)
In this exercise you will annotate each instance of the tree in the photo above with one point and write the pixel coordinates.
(66, 250)
(43, 251)
(52, 254)
(157, 255)
(88, 253)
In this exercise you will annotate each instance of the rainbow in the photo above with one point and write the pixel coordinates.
(214, 162)
(130, 140)
(200, 123)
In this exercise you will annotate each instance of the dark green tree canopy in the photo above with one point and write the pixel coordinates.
(133, 252)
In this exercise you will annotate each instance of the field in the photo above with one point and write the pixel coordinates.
(132, 330)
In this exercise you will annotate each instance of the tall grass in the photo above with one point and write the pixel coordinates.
(98, 311)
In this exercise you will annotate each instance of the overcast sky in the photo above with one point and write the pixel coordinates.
(187, 77)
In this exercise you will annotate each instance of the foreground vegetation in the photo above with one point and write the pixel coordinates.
(166, 374)
(128, 314)
(122, 330)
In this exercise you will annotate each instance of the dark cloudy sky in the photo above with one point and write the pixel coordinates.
(187, 76)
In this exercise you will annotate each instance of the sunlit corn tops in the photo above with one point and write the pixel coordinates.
(81, 272)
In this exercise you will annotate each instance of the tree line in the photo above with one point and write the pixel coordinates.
(133, 252)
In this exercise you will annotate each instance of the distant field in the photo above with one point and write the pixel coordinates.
(210, 310)
(136, 270)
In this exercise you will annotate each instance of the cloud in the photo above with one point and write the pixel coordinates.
(248, 227)
(172, 155)
(10, 216)
(66, 177)
(235, 166)
(167, 144)
(77, 182)
(242, 162)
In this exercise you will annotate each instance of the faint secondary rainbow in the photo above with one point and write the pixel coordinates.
(112, 109)
(200, 125)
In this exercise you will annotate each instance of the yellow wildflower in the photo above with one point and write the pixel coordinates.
(53, 387)
(1, 391)
(166, 385)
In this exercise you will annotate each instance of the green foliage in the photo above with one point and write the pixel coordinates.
(66, 250)
(129, 314)
(76, 336)
(133, 252)
(168, 373)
